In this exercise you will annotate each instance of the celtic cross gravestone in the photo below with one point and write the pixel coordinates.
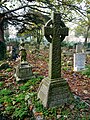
(54, 90)
(55, 32)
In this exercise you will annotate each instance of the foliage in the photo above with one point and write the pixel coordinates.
(9, 109)
(16, 104)
(86, 71)
(35, 15)
(71, 110)
(5, 99)
(1, 83)
(22, 99)
(81, 29)
(5, 92)
(67, 44)
(20, 112)
(8, 69)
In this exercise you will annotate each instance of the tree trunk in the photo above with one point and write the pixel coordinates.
(85, 43)
(38, 40)
(2, 42)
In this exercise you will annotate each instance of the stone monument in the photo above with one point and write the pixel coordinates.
(79, 58)
(23, 70)
(79, 48)
(54, 90)
(79, 61)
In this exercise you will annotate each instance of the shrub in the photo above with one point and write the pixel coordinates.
(86, 71)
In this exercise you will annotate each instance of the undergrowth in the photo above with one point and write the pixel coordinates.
(17, 104)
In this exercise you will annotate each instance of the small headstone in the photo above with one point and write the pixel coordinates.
(9, 48)
(79, 61)
(88, 48)
(23, 70)
(79, 48)
(88, 45)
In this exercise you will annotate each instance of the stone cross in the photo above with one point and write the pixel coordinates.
(55, 32)
(54, 90)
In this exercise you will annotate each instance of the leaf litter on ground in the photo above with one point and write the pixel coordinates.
(79, 84)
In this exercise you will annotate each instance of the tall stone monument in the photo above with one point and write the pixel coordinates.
(54, 90)
(23, 70)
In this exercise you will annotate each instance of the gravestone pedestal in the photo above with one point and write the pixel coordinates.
(54, 92)
(23, 71)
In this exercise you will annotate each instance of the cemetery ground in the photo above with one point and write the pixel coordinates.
(18, 100)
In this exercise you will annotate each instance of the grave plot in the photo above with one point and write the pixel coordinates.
(15, 97)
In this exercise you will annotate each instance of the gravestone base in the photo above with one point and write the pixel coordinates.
(23, 71)
(79, 68)
(54, 92)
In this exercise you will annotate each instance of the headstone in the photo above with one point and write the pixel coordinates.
(9, 48)
(79, 58)
(23, 70)
(79, 48)
(88, 45)
(79, 61)
(88, 48)
(54, 90)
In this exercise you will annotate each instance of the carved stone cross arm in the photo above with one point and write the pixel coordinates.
(55, 27)
(48, 31)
